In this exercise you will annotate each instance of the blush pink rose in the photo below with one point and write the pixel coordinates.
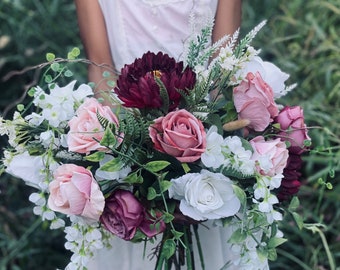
(74, 191)
(254, 100)
(293, 128)
(179, 134)
(85, 129)
(271, 156)
(124, 214)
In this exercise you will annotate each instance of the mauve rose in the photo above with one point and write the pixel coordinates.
(254, 100)
(271, 155)
(85, 129)
(124, 214)
(293, 128)
(179, 134)
(75, 191)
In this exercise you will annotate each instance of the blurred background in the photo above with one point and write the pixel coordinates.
(301, 37)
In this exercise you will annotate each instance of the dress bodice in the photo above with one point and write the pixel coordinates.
(137, 26)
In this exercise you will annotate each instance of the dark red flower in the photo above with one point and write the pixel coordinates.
(291, 183)
(137, 87)
(123, 214)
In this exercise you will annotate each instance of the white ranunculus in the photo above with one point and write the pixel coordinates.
(270, 73)
(205, 195)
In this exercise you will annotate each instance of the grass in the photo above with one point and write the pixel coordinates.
(301, 37)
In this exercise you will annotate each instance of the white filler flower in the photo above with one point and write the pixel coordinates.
(205, 195)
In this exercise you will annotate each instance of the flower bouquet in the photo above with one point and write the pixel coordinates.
(184, 142)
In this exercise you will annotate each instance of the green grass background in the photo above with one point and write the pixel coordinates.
(301, 37)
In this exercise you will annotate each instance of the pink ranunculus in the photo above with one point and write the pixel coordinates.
(85, 129)
(74, 191)
(123, 214)
(293, 128)
(179, 134)
(271, 156)
(254, 100)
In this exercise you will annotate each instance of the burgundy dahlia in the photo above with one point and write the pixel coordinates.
(137, 87)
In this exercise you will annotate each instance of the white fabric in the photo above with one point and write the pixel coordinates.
(135, 27)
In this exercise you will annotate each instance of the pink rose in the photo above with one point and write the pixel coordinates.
(254, 100)
(293, 128)
(74, 191)
(124, 214)
(179, 134)
(85, 129)
(271, 156)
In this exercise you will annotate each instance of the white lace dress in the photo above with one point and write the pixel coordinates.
(135, 27)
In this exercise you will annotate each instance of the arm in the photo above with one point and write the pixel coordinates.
(227, 18)
(94, 37)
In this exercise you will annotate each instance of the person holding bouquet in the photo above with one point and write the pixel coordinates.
(114, 33)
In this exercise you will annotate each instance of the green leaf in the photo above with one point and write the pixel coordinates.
(20, 107)
(31, 92)
(109, 139)
(106, 74)
(276, 241)
(298, 219)
(262, 253)
(55, 67)
(68, 73)
(156, 166)
(95, 157)
(241, 195)
(48, 79)
(134, 178)
(165, 185)
(177, 234)
(113, 165)
(238, 236)
(111, 83)
(167, 217)
(75, 51)
(151, 193)
(272, 254)
(294, 204)
(168, 248)
(50, 57)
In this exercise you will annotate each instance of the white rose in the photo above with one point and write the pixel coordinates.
(205, 195)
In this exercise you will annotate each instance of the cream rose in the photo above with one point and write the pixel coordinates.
(205, 195)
